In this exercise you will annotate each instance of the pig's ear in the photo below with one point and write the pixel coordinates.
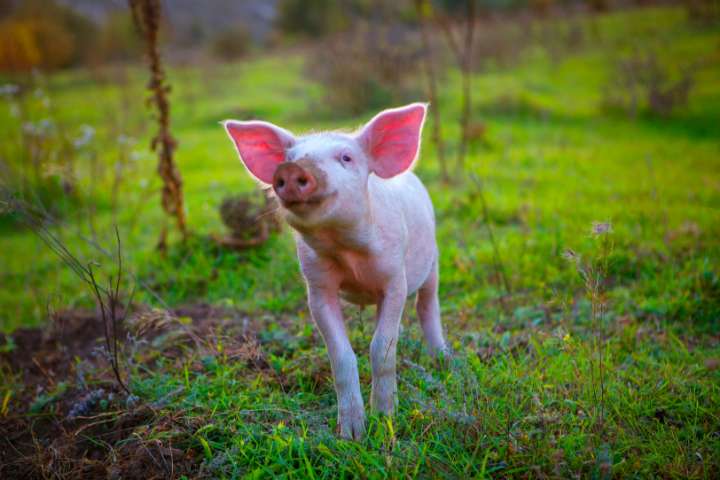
(392, 139)
(260, 145)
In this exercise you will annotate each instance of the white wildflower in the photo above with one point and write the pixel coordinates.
(86, 135)
(9, 90)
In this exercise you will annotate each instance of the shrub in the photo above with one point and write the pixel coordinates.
(311, 18)
(641, 82)
(231, 44)
(43, 34)
(369, 67)
(118, 40)
(319, 18)
(703, 12)
(498, 43)
(29, 44)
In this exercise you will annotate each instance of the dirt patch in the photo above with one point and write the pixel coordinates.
(41, 359)
(66, 417)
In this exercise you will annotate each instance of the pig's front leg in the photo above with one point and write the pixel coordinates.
(325, 309)
(383, 347)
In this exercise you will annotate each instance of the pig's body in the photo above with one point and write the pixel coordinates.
(365, 230)
(399, 235)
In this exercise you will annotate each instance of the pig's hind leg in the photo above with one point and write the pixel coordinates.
(428, 311)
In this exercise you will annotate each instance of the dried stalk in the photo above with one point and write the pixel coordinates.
(594, 274)
(423, 9)
(497, 260)
(463, 56)
(112, 309)
(147, 14)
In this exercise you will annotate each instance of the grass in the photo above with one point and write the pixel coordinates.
(517, 398)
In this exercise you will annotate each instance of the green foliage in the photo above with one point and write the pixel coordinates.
(44, 399)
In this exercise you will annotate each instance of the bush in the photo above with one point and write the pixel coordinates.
(498, 43)
(29, 44)
(703, 12)
(312, 18)
(118, 40)
(640, 82)
(369, 67)
(43, 34)
(319, 18)
(231, 44)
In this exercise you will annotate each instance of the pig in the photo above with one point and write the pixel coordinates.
(364, 228)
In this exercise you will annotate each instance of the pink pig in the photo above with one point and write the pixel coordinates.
(365, 230)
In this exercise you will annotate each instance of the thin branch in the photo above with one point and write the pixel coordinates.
(497, 260)
(422, 8)
(452, 42)
(107, 298)
(466, 68)
(463, 55)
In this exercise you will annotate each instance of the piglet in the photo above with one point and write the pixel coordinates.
(364, 227)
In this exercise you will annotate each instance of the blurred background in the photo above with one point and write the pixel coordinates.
(546, 115)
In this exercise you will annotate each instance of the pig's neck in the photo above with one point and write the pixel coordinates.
(328, 239)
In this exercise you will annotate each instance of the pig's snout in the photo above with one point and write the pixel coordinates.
(293, 183)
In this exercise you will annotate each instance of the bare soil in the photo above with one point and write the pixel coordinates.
(68, 418)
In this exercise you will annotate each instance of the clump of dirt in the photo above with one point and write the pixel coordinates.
(67, 418)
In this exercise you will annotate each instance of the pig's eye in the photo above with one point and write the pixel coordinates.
(346, 158)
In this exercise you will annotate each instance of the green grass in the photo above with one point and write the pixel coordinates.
(517, 399)
(521, 412)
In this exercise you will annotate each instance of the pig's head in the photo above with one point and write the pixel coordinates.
(322, 178)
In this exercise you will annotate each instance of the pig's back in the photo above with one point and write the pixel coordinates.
(413, 197)
(406, 195)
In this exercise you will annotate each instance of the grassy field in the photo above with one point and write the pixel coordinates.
(538, 386)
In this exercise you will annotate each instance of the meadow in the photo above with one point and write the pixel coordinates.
(580, 281)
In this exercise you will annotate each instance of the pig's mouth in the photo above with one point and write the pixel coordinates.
(300, 206)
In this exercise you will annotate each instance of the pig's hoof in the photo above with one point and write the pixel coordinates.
(443, 356)
(351, 423)
(384, 405)
(383, 396)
